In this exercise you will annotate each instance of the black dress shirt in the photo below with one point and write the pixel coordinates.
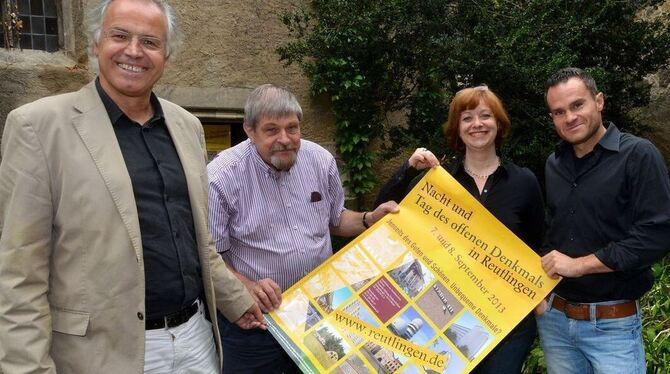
(512, 194)
(171, 263)
(614, 203)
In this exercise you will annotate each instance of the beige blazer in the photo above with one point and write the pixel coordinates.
(71, 266)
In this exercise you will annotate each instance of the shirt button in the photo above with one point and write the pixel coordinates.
(572, 239)
(295, 227)
(288, 205)
(140, 315)
(574, 185)
(485, 191)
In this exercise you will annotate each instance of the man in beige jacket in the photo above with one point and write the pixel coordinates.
(106, 263)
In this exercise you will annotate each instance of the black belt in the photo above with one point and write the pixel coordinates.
(173, 319)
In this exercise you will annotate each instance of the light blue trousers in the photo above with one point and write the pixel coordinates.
(596, 346)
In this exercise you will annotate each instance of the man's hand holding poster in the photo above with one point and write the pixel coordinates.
(430, 289)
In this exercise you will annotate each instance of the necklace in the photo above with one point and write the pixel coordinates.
(480, 176)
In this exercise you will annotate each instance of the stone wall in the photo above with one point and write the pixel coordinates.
(231, 47)
(228, 49)
(657, 113)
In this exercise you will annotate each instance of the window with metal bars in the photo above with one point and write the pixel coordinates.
(30, 24)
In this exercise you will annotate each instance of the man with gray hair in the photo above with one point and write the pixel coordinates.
(106, 263)
(274, 200)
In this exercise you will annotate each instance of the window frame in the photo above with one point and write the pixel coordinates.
(65, 29)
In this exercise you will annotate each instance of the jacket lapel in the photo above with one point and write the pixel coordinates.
(95, 130)
(186, 141)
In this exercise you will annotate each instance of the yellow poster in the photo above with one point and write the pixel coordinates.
(431, 289)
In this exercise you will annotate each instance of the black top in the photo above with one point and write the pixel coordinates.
(512, 194)
(171, 264)
(614, 203)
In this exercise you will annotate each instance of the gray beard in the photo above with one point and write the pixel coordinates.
(283, 165)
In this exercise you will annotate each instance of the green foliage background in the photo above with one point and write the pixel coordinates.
(656, 321)
(376, 57)
(410, 56)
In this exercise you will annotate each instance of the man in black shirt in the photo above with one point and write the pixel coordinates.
(106, 263)
(608, 201)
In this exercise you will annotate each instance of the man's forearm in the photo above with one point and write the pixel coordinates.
(557, 264)
(592, 265)
(351, 223)
(245, 281)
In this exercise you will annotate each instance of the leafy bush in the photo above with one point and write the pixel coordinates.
(411, 56)
(656, 321)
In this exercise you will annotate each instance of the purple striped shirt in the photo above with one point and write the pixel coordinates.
(270, 224)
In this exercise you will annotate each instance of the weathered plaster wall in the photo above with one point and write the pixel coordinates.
(228, 49)
(25, 77)
(232, 45)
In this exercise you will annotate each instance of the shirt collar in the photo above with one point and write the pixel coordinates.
(609, 141)
(115, 113)
(504, 167)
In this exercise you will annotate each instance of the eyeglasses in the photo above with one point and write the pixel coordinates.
(146, 42)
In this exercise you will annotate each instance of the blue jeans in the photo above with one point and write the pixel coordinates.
(594, 346)
(508, 357)
(252, 351)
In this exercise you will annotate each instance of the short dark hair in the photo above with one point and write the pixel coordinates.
(563, 75)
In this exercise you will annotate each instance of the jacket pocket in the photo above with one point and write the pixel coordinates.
(69, 321)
